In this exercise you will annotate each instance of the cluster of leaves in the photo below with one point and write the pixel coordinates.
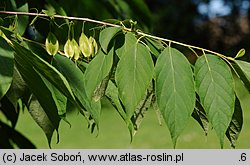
(131, 70)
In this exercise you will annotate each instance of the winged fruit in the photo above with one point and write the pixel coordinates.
(51, 44)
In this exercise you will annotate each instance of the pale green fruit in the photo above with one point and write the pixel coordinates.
(76, 50)
(69, 48)
(94, 46)
(85, 45)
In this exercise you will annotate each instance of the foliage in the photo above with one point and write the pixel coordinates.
(132, 69)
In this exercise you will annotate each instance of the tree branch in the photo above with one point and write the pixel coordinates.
(115, 25)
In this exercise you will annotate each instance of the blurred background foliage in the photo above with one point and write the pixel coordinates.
(218, 25)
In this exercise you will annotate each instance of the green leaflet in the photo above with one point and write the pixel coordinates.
(112, 94)
(107, 35)
(241, 102)
(17, 89)
(101, 88)
(141, 109)
(215, 87)
(175, 92)
(39, 50)
(96, 71)
(38, 88)
(6, 66)
(157, 110)
(155, 46)
(45, 69)
(124, 44)
(41, 117)
(242, 73)
(22, 20)
(200, 116)
(75, 77)
(243, 69)
(133, 75)
(235, 125)
(59, 98)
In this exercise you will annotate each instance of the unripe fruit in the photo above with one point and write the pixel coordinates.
(69, 48)
(51, 44)
(94, 46)
(76, 50)
(85, 45)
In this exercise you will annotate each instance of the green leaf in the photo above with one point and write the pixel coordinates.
(200, 116)
(22, 20)
(155, 46)
(96, 71)
(41, 117)
(215, 87)
(242, 97)
(100, 90)
(113, 96)
(17, 89)
(34, 82)
(59, 99)
(6, 66)
(39, 50)
(175, 92)
(133, 75)
(142, 109)
(51, 44)
(45, 69)
(157, 110)
(54, 81)
(242, 75)
(235, 125)
(125, 43)
(75, 77)
(241, 53)
(244, 71)
(107, 35)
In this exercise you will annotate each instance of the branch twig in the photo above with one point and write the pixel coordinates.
(114, 25)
